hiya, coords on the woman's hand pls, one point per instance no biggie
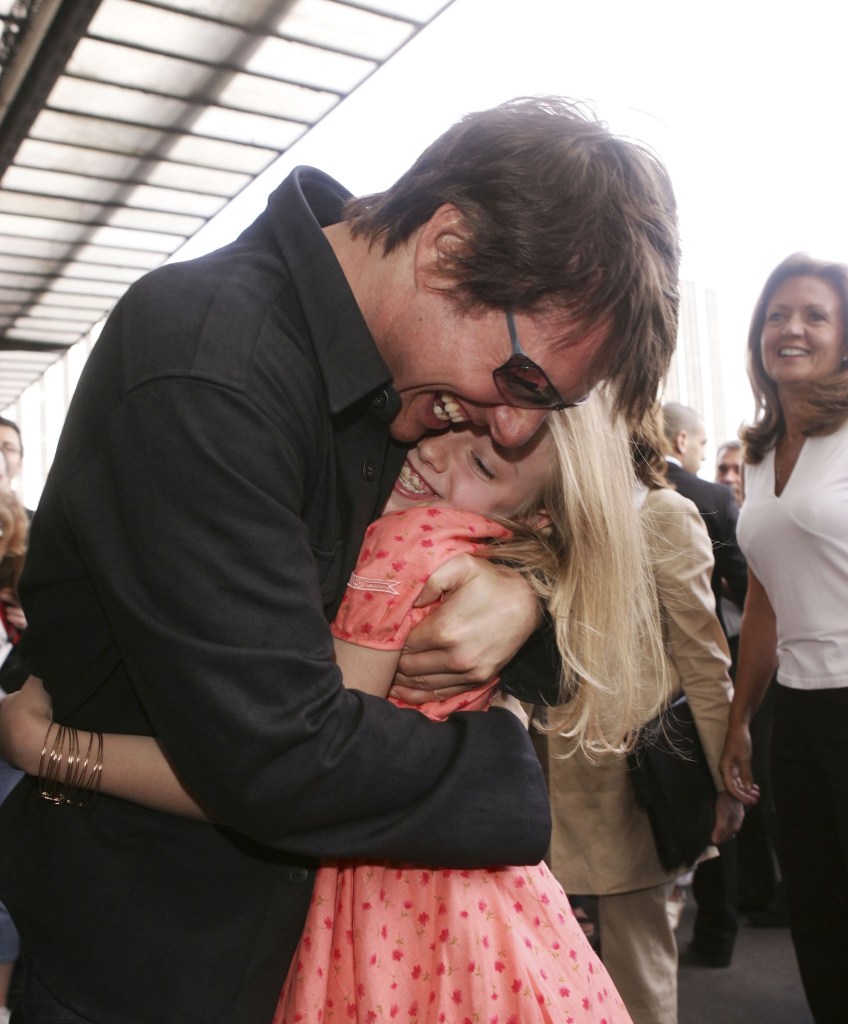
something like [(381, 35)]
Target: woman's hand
[(25, 717), (487, 613), (735, 766)]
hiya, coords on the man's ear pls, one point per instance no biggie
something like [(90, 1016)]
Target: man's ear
[(681, 442), (438, 243)]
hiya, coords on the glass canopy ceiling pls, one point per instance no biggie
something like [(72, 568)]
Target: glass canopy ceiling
[(125, 125)]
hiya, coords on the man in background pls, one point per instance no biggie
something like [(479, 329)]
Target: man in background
[(729, 468), (687, 439), (12, 447), (729, 472)]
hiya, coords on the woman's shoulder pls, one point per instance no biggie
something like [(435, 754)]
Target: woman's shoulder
[(674, 524), (666, 499)]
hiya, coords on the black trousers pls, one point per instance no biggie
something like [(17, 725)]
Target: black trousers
[(810, 780)]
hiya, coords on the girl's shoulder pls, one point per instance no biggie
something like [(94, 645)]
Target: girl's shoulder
[(431, 526)]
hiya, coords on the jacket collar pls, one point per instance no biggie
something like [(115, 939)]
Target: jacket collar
[(353, 369)]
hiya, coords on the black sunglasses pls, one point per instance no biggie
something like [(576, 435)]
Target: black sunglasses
[(525, 384)]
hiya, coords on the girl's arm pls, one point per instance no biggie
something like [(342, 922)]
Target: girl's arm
[(366, 668), (136, 768)]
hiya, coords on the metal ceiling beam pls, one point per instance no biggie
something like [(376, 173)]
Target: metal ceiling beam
[(49, 40), (32, 346)]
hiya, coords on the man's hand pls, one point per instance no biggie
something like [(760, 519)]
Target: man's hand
[(729, 814), (487, 614), (735, 766)]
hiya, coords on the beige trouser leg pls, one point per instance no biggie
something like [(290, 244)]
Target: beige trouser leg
[(639, 950)]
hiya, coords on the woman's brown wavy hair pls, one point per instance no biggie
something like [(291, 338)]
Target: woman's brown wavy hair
[(822, 404)]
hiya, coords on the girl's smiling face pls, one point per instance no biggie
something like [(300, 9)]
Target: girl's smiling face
[(463, 468)]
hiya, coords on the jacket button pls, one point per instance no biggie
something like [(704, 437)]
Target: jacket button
[(368, 470), (298, 875), (380, 400)]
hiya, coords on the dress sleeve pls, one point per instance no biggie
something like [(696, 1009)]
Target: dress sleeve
[(400, 552)]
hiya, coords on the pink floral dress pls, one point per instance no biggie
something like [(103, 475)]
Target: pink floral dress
[(390, 943)]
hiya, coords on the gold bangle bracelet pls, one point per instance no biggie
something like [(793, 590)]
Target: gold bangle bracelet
[(79, 785)]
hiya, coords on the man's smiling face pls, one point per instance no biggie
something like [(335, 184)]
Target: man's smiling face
[(443, 368)]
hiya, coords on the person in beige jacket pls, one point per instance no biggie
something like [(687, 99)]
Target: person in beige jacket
[(602, 842)]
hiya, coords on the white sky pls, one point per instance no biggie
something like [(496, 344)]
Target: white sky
[(744, 101)]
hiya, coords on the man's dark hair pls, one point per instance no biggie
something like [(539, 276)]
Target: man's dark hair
[(563, 217)]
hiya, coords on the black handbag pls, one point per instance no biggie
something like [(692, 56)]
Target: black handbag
[(674, 785)]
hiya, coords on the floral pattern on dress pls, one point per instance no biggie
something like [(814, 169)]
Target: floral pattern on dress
[(401, 945), (400, 552)]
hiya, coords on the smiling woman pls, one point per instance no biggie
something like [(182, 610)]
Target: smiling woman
[(798, 354), (793, 530)]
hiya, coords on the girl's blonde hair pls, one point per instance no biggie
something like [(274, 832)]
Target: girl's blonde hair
[(591, 570)]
